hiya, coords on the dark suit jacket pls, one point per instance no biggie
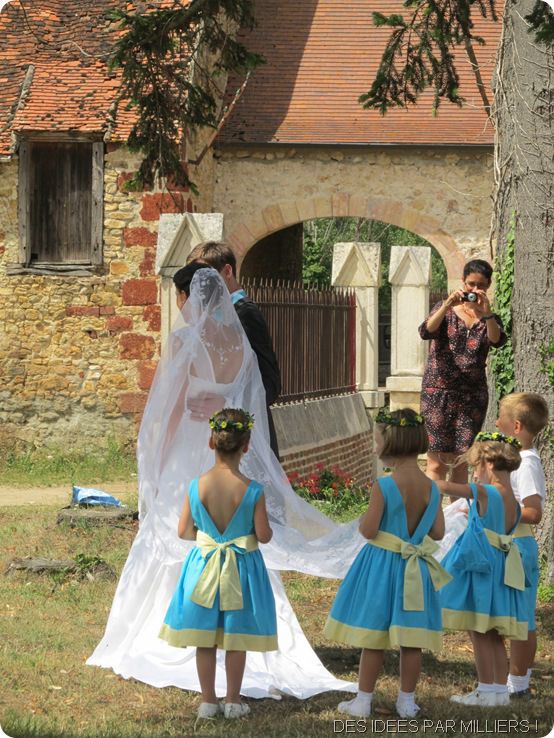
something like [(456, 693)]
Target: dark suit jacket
[(257, 333)]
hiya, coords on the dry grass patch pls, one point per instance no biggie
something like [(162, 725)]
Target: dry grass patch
[(49, 626)]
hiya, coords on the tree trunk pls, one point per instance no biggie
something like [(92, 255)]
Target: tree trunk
[(524, 164)]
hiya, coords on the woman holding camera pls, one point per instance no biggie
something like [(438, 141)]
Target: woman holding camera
[(454, 394)]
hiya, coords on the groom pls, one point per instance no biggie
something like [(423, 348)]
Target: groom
[(220, 257)]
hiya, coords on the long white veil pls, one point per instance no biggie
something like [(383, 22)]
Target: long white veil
[(208, 362)]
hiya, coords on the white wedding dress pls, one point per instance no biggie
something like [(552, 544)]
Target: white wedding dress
[(209, 360)]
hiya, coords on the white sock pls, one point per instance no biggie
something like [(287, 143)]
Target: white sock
[(500, 688), (363, 699), (485, 687), (405, 698), (518, 683)]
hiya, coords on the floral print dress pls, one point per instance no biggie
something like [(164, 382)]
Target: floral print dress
[(454, 395)]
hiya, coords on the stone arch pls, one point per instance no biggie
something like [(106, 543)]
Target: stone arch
[(343, 204)]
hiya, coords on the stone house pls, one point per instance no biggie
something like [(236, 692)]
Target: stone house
[(81, 299)]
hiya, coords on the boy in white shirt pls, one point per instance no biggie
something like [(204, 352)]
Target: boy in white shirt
[(523, 415)]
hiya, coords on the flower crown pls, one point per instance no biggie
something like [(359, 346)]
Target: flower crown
[(383, 417), (218, 424), (497, 436)]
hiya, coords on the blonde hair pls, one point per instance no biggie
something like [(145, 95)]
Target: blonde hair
[(529, 408), (227, 441), (404, 440), (503, 456)]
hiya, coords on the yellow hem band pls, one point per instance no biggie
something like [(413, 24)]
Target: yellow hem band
[(482, 623), (210, 638), (394, 637)]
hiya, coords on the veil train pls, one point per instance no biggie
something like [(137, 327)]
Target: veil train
[(208, 361)]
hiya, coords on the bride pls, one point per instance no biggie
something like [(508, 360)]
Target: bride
[(208, 356)]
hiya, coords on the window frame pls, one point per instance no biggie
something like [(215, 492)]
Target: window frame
[(97, 203)]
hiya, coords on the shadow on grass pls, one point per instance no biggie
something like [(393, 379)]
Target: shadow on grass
[(343, 660), (545, 620)]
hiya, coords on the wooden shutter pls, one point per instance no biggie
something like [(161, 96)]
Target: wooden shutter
[(60, 201)]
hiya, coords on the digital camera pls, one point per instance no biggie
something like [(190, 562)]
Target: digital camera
[(470, 297)]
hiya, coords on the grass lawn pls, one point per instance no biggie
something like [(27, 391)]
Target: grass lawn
[(48, 467), (49, 625)]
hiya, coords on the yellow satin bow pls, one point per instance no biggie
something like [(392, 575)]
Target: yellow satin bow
[(413, 583), (217, 577), (514, 574)]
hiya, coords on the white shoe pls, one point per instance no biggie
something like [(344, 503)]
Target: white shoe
[(476, 699), (208, 710), (354, 708), (502, 699), (235, 710), (407, 710)]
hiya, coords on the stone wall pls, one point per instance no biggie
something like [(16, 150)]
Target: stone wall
[(440, 193), (78, 353)]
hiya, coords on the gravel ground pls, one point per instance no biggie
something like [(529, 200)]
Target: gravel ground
[(20, 496)]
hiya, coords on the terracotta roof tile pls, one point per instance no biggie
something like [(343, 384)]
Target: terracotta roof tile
[(321, 55), (62, 49)]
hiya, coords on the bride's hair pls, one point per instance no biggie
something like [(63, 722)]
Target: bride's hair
[(183, 277), (230, 430)]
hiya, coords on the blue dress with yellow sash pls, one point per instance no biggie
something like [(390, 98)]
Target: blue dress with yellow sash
[(371, 608), (248, 624), (482, 600)]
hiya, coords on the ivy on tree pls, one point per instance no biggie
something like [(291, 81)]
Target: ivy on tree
[(502, 359), (171, 60)]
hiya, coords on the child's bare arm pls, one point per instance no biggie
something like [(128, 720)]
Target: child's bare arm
[(369, 522), (185, 529), (454, 489), (261, 523), (437, 530), (531, 510)]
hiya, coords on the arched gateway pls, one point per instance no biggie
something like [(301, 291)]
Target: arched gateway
[(82, 317), (280, 215)]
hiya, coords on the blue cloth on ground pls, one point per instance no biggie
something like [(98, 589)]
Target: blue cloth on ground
[(90, 496)]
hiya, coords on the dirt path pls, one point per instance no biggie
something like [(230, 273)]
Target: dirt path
[(10, 496)]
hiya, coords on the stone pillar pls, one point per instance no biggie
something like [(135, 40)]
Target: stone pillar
[(409, 275), (358, 265), (178, 234)]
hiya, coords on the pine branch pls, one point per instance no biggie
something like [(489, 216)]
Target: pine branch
[(420, 53), (541, 21), (166, 82), (478, 79)]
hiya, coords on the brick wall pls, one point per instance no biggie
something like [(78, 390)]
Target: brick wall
[(353, 455), (333, 431)]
